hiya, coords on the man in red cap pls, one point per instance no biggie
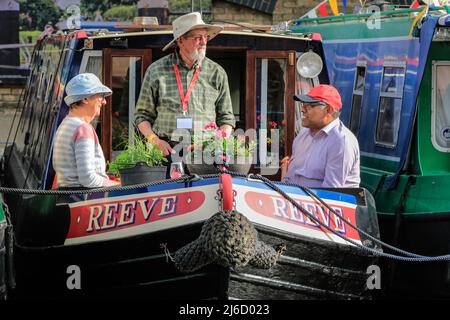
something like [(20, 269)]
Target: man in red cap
[(325, 153)]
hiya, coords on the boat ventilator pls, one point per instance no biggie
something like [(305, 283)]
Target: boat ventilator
[(409, 256)]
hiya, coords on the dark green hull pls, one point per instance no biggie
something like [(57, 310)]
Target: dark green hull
[(423, 234)]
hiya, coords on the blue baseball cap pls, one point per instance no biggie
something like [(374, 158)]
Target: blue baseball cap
[(83, 86)]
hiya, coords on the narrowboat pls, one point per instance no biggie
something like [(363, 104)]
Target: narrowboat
[(146, 240), (391, 66)]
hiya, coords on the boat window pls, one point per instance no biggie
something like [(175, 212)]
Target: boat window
[(123, 72), (390, 105), (93, 63), (358, 93), (126, 85), (270, 86), (234, 65), (440, 106)]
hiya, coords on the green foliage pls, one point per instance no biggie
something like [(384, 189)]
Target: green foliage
[(121, 13), (89, 7), (119, 134), (186, 5), (41, 12), (140, 151), (26, 34)]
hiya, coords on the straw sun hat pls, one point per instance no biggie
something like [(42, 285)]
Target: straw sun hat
[(188, 22)]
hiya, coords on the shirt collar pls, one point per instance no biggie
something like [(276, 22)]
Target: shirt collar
[(330, 126)]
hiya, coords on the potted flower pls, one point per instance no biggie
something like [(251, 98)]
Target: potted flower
[(212, 148), (141, 162)]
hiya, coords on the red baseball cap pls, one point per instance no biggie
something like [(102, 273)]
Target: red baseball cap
[(322, 93)]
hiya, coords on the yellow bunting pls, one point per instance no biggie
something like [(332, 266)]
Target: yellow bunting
[(334, 7), (424, 11)]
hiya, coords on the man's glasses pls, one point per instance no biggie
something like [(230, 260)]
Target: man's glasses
[(309, 106), (199, 38)]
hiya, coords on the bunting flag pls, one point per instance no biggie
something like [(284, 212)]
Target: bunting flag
[(334, 7), (415, 4), (323, 9), (416, 20), (313, 12)]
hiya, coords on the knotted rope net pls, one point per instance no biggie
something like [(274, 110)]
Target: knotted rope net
[(227, 238)]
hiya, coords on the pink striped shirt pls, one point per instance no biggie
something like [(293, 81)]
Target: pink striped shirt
[(78, 156)]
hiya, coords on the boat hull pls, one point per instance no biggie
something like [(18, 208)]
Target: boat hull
[(55, 258), (425, 234), (139, 268)]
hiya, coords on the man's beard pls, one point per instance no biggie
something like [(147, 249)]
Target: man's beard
[(198, 55)]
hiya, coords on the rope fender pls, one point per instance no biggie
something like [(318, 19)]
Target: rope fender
[(227, 238)]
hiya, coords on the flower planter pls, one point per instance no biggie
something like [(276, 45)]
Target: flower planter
[(242, 166), (201, 169), (142, 173)]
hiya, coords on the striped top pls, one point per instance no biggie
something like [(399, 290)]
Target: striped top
[(78, 156)]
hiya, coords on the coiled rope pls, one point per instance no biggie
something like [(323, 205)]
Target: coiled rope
[(229, 239)]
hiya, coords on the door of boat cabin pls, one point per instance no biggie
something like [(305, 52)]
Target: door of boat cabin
[(123, 72), (270, 88)]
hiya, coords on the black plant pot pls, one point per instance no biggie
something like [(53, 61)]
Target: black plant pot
[(142, 173), (203, 169)]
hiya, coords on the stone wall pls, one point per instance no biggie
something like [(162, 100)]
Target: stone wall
[(291, 9), (9, 95), (284, 10)]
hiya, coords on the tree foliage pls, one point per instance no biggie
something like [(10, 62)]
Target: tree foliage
[(89, 7), (40, 11), (121, 13), (186, 5)]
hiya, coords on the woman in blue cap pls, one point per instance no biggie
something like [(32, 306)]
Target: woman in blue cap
[(77, 154)]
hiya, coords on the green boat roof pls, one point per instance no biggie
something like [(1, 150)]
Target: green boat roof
[(394, 23)]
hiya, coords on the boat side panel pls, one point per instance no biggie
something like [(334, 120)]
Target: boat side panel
[(342, 58), (430, 160)]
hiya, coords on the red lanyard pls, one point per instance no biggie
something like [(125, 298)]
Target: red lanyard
[(185, 99)]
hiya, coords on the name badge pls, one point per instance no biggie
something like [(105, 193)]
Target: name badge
[(184, 123)]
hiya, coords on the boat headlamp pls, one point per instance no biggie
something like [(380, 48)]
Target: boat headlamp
[(309, 65)]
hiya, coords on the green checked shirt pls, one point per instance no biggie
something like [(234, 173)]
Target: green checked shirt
[(159, 101)]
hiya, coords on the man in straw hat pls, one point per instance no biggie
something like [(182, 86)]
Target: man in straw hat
[(325, 153), (184, 89)]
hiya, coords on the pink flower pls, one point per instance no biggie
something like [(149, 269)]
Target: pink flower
[(283, 122), (221, 134), (273, 124), (258, 117), (210, 125)]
